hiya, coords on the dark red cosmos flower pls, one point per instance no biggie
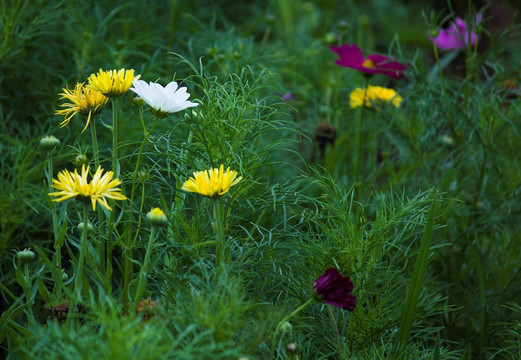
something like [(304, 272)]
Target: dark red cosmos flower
[(335, 289), (351, 56)]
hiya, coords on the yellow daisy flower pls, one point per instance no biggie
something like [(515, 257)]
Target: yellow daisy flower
[(373, 95), (75, 185), (112, 83), (83, 100), (212, 183)]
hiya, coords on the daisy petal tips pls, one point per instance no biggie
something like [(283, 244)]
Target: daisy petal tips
[(162, 100)]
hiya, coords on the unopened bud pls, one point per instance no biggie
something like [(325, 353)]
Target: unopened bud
[(270, 19), (138, 102), (25, 255), (157, 217), (80, 159), (65, 277), (49, 142), (90, 228), (292, 348)]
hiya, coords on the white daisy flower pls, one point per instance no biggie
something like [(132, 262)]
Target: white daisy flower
[(162, 100)]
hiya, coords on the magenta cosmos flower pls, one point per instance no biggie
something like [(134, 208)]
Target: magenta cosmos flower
[(335, 289), (351, 56), (456, 36)]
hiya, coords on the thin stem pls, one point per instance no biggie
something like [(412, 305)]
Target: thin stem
[(81, 260), (219, 233), (116, 170), (94, 142), (279, 325), (28, 291), (358, 133), (115, 160), (57, 245), (332, 316), (143, 273)]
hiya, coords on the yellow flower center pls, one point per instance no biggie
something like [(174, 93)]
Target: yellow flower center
[(368, 64), (85, 190)]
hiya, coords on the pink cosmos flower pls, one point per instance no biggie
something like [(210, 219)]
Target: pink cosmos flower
[(351, 56), (456, 36), (335, 289)]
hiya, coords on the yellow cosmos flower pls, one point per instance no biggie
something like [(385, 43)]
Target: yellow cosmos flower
[(75, 185), (373, 95), (212, 183), (82, 100), (112, 83)]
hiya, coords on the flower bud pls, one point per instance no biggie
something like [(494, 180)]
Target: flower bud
[(286, 327), (292, 348), (65, 277), (343, 26), (138, 102), (157, 217), (80, 159), (143, 176), (25, 255), (49, 142), (90, 228), (330, 38), (270, 19)]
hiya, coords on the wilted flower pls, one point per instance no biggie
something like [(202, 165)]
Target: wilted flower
[(212, 183), (112, 83), (351, 56), (83, 100), (75, 185), (334, 289), (162, 100), (373, 95), (456, 36)]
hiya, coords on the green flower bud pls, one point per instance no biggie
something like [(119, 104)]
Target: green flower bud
[(80, 159), (292, 348), (49, 142), (343, 26), (330, 38), (143, 176), (65, 277), (270, 19), (138, 102), (157, 217), (90, 228), (25, 255), (286, 327)]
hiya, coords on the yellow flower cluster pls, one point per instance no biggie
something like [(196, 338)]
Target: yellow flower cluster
[(374, 95), (75, 185), (82, 100), (212, 183), (89, 99)]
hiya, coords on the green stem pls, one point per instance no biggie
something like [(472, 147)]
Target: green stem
[(143, 273), (81, 260), (115, 160), (219, 232), (94, 142), (279, 325), (138, 161), (28, 291), (116, 170), (57, 245), (358, 133), (332, 316)]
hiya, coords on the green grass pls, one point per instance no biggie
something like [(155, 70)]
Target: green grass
[(417, 204)]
